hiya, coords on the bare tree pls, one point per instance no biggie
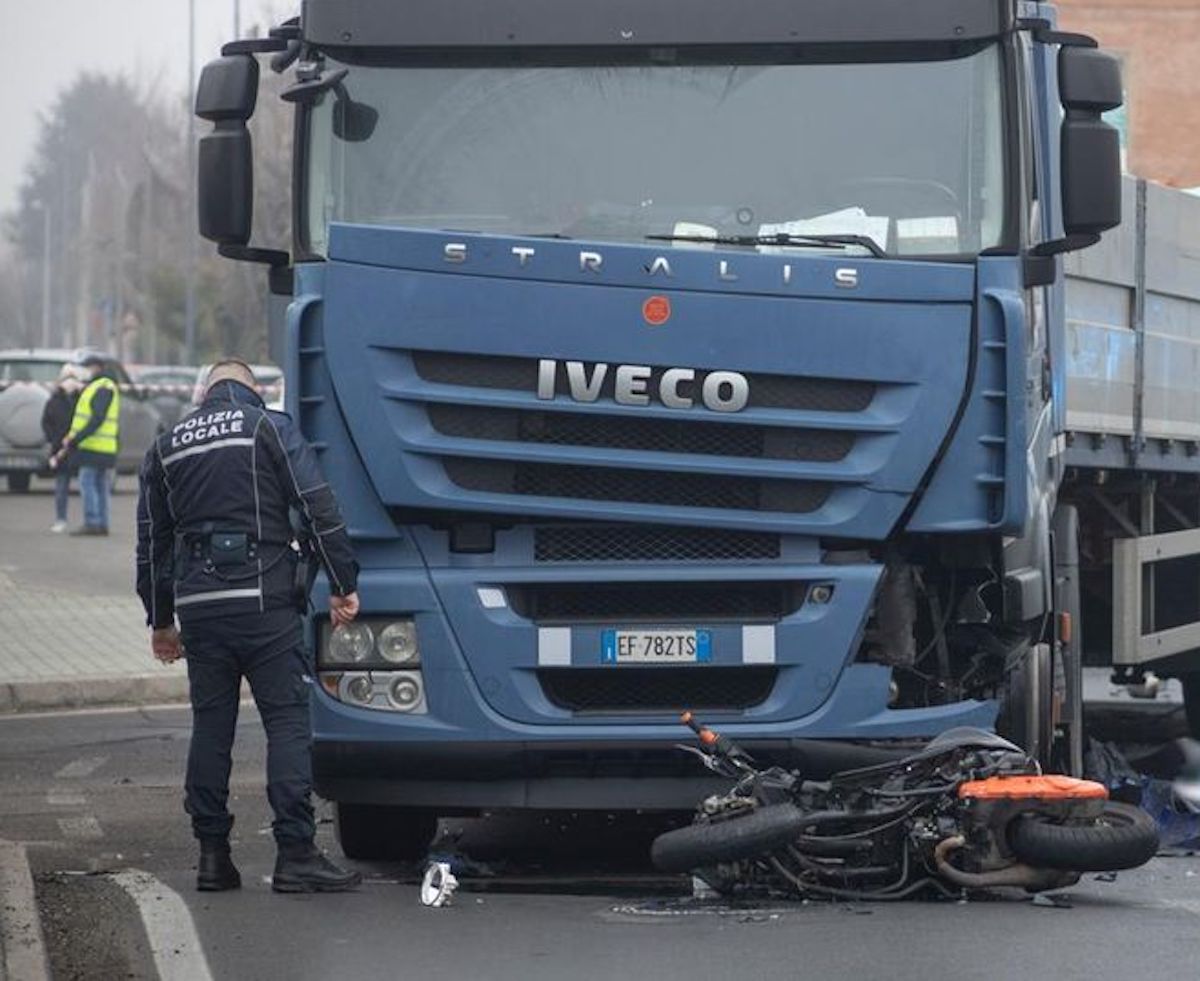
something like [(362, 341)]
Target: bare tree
[(104, 220)]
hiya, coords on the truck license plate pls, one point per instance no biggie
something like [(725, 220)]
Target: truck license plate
[(20, 463), (656, 646)]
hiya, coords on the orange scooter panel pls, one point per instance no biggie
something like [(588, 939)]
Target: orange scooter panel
[(1051, 787)]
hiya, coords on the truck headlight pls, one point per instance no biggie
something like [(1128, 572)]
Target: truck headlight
[(397, 642), (351, 644)]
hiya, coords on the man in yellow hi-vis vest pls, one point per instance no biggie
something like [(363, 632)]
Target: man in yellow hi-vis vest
[(93, 443)]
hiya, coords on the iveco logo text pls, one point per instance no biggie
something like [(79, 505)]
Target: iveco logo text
[(633, 384), (592, 263)]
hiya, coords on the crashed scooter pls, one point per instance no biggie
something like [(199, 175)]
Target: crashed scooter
[(968, 811)]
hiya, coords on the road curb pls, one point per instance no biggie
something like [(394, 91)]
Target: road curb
[(70, 693), (22, 946)]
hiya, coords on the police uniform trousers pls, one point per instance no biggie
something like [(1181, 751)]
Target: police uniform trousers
[(268, 650)]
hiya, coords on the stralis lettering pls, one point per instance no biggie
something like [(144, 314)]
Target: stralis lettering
[(636, 384), (592, 263), (227, 422)]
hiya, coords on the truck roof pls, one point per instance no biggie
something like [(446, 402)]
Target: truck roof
[(633, 23)]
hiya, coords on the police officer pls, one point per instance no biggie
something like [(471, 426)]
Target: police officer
[(215, 549)]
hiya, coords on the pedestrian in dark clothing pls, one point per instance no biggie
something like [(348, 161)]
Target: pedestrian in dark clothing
[(215, 549), (56, 423), (92, 443)]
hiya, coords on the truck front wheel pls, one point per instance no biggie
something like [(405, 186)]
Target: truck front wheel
[(1027, 707), (380, 832)]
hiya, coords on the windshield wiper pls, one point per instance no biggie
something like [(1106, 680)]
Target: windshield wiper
[(813, 241)]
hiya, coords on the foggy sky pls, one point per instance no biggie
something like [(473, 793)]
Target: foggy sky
[(48, 42)]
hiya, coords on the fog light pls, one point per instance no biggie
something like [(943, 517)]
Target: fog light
[(353, 642), (821, 594), (406, 692), (360, 689), (397, 642)]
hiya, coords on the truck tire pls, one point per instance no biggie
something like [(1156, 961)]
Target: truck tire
[(378, 832), (1026, 713), (18, 483), (735, 839), (1123, 837)]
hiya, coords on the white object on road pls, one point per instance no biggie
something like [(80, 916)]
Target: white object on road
[(438, 885)]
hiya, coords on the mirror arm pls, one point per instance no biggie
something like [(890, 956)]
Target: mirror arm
[(280, 275), (246, 253), (1038, 270), (1065, 38), (1044, 33), (289, 30), (253, 46), (306, 92), (1068, 243), (284, 60)]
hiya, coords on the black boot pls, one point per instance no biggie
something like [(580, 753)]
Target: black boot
[(303, 868), (216, 871)]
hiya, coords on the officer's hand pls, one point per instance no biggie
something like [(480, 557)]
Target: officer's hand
[(343, 609), (165, 644)]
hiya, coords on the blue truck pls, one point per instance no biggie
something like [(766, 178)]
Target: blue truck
[(687, 354)]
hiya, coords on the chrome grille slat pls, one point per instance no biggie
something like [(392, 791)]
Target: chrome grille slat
[(654, 435), (636, 486)]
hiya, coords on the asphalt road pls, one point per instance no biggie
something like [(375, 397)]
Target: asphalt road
[(98, 793), (91, 566)]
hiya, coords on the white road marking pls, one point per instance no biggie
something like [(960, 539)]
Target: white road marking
[(246, 702), (65, 797), (81, 768), (84, 828), (178, 955)]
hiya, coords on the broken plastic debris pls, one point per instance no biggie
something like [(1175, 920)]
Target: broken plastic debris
[(1052, 900), (438, 885)]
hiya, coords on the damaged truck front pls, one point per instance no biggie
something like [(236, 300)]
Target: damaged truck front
[(676, 354)]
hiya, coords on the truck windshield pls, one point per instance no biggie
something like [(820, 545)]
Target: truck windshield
[(907, 153)]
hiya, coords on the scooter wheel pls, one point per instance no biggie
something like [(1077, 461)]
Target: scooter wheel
[(1123, 837), (735, 839)]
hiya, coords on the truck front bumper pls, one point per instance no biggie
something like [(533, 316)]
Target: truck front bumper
[(371, 757)]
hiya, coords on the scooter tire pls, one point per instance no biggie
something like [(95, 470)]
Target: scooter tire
[(1123, 837), (734, 839)]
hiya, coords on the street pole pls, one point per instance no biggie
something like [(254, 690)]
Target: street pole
[(189, 313), (237, 19), (45, 274)]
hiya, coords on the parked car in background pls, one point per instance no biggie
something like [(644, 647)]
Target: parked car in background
[(169, 388), (26, 376)]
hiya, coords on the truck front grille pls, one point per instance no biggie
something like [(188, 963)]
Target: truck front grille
[(649, 602), (650, 543), (655, 435), (636, 486), (799, 442), (625, 689), (520, 375)]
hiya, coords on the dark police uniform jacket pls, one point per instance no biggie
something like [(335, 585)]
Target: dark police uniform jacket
[(214, 534)]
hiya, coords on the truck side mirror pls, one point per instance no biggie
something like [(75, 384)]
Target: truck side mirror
[(226, 97), (1089, 83)]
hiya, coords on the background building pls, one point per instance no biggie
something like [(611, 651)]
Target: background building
[(1159, 43)]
